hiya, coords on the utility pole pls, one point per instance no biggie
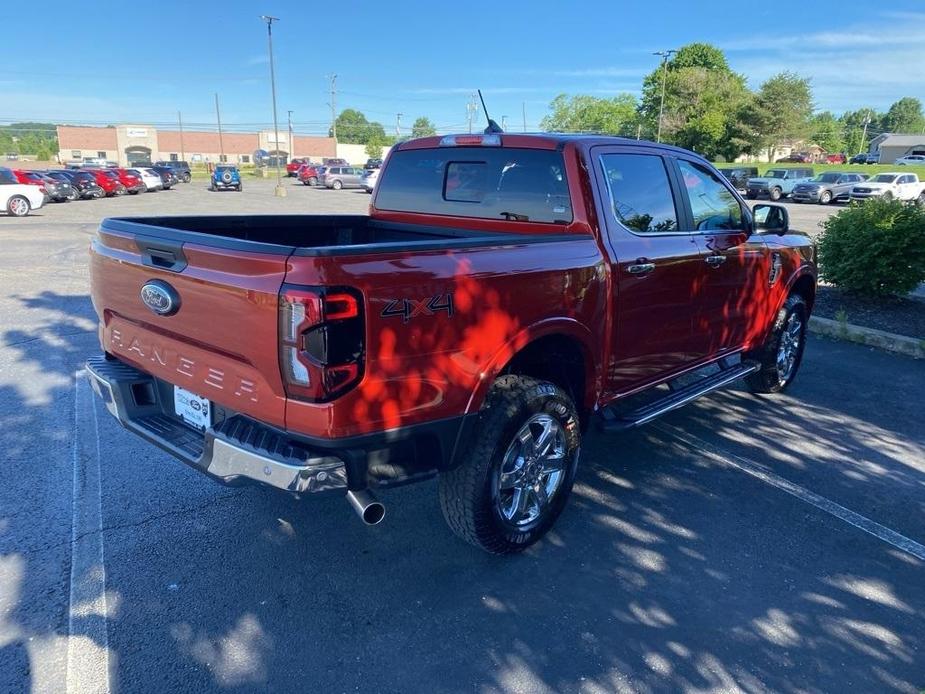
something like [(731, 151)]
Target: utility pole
[(398, 124), (180, 123), (661, 109), (279, 191), (638, 130), (523, 108), (333, 105), (504, 122), (470, 109), (864, 136), (218, 117), (291, 145)]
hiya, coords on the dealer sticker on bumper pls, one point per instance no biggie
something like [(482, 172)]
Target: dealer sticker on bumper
[(191, 408)]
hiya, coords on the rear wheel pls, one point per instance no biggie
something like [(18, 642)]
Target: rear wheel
[(750, 195), (18, 206), (826, 197), (186, 178), (780, 357), (515, 479), (240, 187)]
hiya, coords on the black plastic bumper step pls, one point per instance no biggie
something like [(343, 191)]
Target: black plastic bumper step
[(675, 398)]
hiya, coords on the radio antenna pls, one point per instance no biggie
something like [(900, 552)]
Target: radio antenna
[(492, 126)]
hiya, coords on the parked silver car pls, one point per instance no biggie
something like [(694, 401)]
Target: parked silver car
[(338, 177), (834, 186)]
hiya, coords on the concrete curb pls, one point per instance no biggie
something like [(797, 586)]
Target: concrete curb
[(891, 342)]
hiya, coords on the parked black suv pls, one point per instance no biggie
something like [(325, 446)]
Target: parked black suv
[(739, 175), (181, 168)]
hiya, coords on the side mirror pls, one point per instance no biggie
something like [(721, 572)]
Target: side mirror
[(771, 218)]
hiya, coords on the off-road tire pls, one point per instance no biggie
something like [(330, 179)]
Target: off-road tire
[(767, 378), (467, 492)]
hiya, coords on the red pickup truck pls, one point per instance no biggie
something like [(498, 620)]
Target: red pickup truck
[(504, 292)]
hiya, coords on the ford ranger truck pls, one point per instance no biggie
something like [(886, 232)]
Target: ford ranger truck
[(504, 292), (888, 186)]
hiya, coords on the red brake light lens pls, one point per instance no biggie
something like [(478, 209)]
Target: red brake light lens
[(487, 140)]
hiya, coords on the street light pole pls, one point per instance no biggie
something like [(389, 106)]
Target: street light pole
[(661, 109), (279, 191), (291, 145)]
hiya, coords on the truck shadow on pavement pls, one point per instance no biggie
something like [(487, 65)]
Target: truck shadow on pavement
[(667, 570)]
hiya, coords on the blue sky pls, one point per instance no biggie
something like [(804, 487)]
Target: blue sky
[(419, 58)]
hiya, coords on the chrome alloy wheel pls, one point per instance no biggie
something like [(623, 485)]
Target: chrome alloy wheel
[(789, 348), (19, 207), (532, 470)]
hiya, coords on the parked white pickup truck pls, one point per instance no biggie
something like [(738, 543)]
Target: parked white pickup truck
[(889, 186)]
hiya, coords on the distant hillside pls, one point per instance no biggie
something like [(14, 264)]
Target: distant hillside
[(40, 139)]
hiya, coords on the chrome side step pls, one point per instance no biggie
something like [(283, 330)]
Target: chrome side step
[(676, 397)]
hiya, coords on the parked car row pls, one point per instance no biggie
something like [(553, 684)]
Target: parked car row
[(85, 183), (338, 177)]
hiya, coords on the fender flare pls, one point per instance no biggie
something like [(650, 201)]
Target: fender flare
[(566, 327)]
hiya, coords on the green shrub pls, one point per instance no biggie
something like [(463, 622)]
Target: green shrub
[(876, 248)]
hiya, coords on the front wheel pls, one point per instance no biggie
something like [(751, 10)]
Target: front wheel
[(775, 194), (337, 185), (826, 197), (313, 181), (187, 178), (515, 479), (781, 355), (18, 206)]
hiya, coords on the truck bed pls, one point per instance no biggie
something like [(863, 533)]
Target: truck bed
[(307, 235)]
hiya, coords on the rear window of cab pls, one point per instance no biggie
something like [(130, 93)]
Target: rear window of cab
[(527, 185)]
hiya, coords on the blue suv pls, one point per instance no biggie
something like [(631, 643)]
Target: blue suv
[(224, 177)]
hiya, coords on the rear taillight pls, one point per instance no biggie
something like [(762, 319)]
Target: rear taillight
[(321, 341)]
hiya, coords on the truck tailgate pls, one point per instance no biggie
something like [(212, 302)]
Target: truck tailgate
[(222, 341)]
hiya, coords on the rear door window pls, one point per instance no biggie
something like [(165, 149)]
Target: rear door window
[(713, 206), (640, 194), (484, 182)]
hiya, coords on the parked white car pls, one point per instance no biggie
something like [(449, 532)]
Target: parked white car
[(151, 179), (17, 198), (889, 186), (368, 180), (911, 159)]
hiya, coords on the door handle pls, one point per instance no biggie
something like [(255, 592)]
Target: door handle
[(715, 260), (640, 268)]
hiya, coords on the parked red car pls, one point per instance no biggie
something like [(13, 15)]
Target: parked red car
[(503, 291), (108, 180), (133, 184), (292, 168), (308, 174), (29, 178), (836, 159)]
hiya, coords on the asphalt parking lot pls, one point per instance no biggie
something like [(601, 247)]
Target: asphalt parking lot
[(741, 544)]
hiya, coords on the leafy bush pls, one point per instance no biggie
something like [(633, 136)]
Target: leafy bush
[(876, 248)]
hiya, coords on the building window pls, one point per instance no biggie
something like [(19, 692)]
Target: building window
[(174, 156), (245, 158), (75, 153), (101, 155), (223, 158)]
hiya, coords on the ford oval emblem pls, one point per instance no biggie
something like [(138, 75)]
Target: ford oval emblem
[(160, 297)]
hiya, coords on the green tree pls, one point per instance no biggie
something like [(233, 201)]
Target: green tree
[(852, 123), (375, 145), (423, 127), (782, 110), (905, 116), (705, 103), (29, 138), (583, 113), (827, 132), (353, 128)]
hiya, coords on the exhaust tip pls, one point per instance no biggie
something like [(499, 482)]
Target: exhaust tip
[(374, 514), (367, 506)]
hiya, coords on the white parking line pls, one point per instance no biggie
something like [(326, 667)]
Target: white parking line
[(864, 523), (88, 637)]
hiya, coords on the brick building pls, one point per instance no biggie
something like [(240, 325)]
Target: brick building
[(128, 144)]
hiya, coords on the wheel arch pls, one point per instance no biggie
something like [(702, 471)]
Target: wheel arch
[(559, 351), (804, 285)]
